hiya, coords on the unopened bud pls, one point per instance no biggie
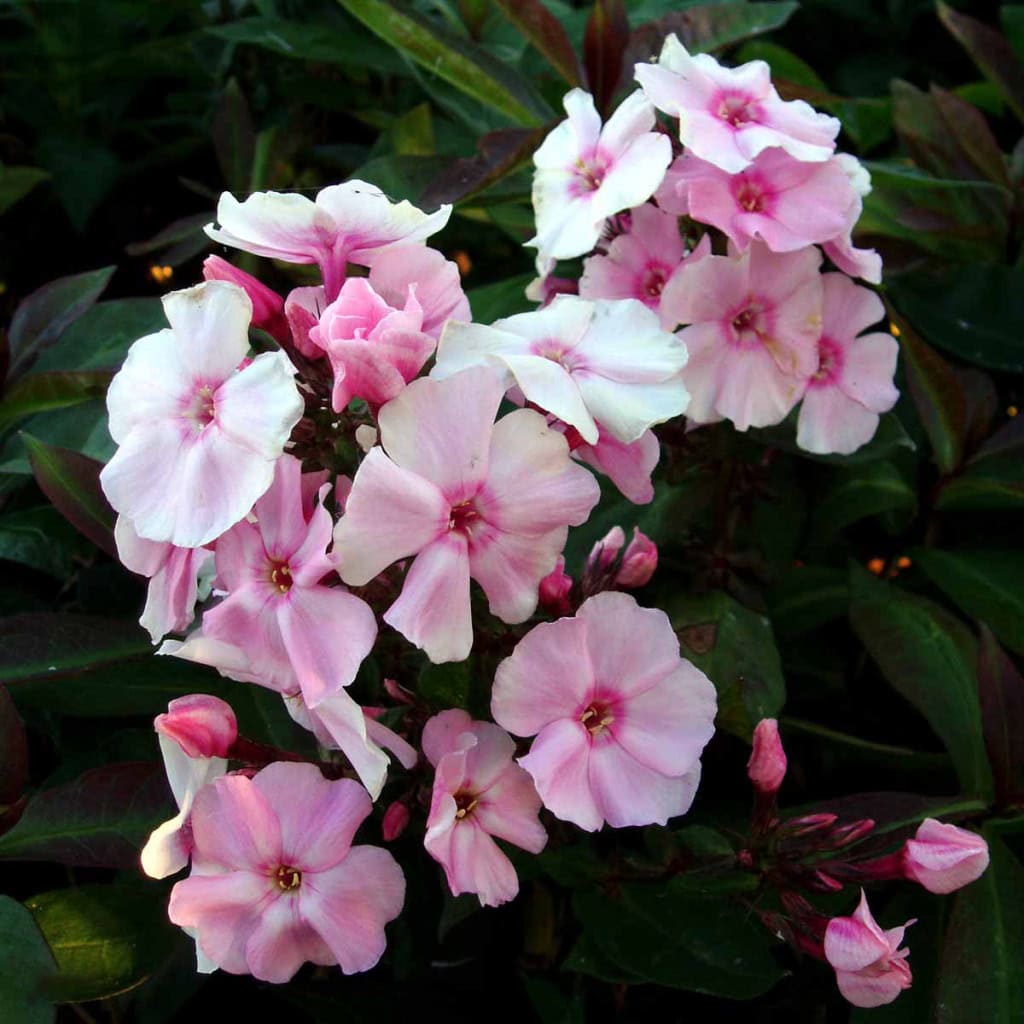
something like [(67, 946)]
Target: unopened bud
[(638, 562), (396, 817), (203, 726), (767, 765), (943, 857), (267, 305), (555, 589)]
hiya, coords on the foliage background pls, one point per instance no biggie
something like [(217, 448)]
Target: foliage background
[(878, 597)]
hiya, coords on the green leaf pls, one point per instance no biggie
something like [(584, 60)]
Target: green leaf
[(545, 33), (72, 482), (42, 316), (987, 585), (980, 973), (13, 751), (17, 182), (446, 686), (100, 820), (706, 27), (26, 965), (993, 477), (661, 935), (41, 539), (80, 428), (859, 492), (808, 597), (456, 61), (42, 392), (1001, 694), (107, 939), (492, 302), (735, 648), (929, 657), (972, 310), (890, 438)]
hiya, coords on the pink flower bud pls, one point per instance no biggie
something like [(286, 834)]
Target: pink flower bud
[(267, 305), (604, 553), (396, 817), (555, 589), (203, 726), (807, 825), (398, 693), (767, 765), (639, 561), (943, 858)]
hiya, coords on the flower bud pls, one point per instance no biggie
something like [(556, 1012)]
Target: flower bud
[(943, 858), (639, 561), (555, 589), (396, 817), (604, 553), (767, 765), (203, 726), (267, 305)]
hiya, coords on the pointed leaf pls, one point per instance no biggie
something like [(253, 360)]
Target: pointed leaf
[(17, 182), (26, 965), (604, 45), (1001, 692), (43, 392), (13, 750), (545, 32)]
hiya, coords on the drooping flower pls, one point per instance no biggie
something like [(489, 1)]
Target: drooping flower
[(276, 881), (729, 115), (586, 172), (479, 793), (785, 203), (943, 857), (595, 365), (754, 323), (198, 438), (195, 736), (349, 223), (620, 719), (469, 498), (173, 578), (871, 969), (289, 624), (767, 765), (852, 384), (380, 331), (641, 261)]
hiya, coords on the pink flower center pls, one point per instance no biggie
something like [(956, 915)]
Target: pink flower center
[(590, 173), (736, 109), (464, 804), (201, 408), (830, 363), (462, 516), (556, 351), (749, 325), (281, 576), (750, 196), (597, 716), (653, 282), (287, 878)]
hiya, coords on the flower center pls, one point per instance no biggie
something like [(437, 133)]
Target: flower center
[(830, 360), (597, 716), (281, 576), (736, 110), (462, 516), (750, 325), (590, 174), (287, 878), (202, 407), (750, 196), (653, 282), (464, 804)]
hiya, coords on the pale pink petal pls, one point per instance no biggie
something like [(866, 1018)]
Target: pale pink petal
[(636, 173), (436, 281), (852, 944), (235, 825), (558, 762), (831, 422), (848, 308), (442, 732), (628, 466), (167, 850), (868, 370), (627, 792), (302, 310), (509, 809), (944, 858), (282, 941), (278, 225), (145, 557), (281, 524), (433, 610), (868, 991), (751, 391), (171, 596), (380, 734), (547, 384), (211, 327), (474, 864), (863, 263)]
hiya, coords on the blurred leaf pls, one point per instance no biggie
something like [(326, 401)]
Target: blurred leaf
[(987, 585), (81, 428), (938, 397), (859, 492), (993, 477), (446, 686), (17, 182), (808, 597), (990, 51), (26, 964), (551, 1004), (13, 750), (100, 820), (107, 939), (72, 482), (972, 310), (1001, 693), (42, 392), (893, 812), (979, 977), (605, 40), (84, 170), (786, 66), (545, 32), (234, 140), (1012, 18), (498, 155), (735, 648), (456, 61), (492, 302), (663, 936), (42, 316), (180, 240), (929, 657), (42, 539)]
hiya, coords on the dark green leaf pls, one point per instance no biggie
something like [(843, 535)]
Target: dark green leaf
[(929, 657), (234, 140), (42, 392), (492, 302), (545, 32), (605, 40), (17, 182), (987, 585), (99, 820), (862, 491), (72, 482), (993, 477), (890, 438), (446, 686), (808, 597), (42, 539), (735, 648), (454, 60), (80, 428), (13, 750), (1001, 693), (26, 964)]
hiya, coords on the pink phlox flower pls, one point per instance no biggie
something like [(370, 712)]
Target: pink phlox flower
[(640, 262), (587, 172), (785, 203), (469, 498), (276, 881), (863, 263), (595, 365), (198, 438), (267, 306), (194, 736), (479, 793), (755, 319), (174, 578), (349, 223), (943, 857), (628, 466), (852, 384), (620, 719), (871, 969), (276, 609), (729, 115)]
